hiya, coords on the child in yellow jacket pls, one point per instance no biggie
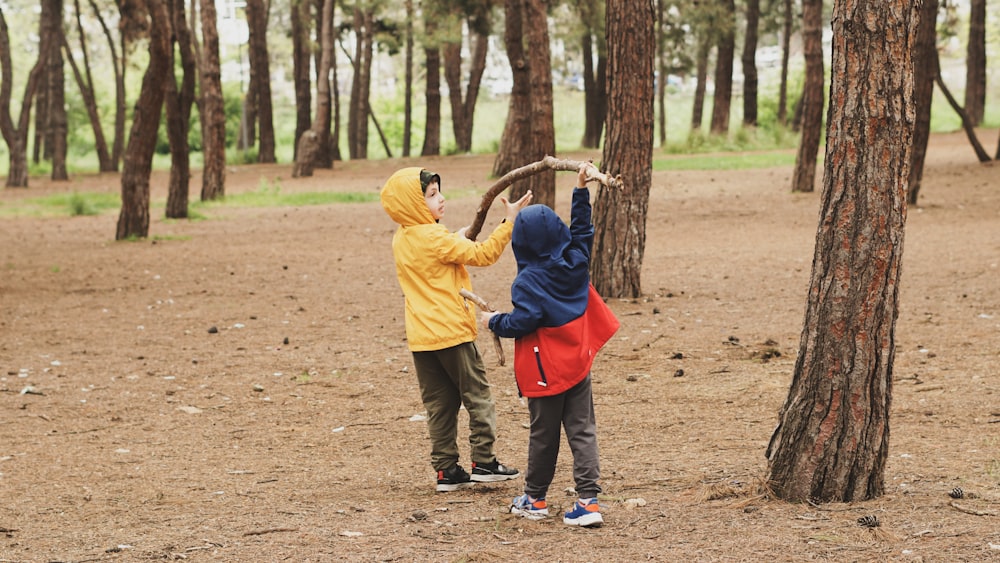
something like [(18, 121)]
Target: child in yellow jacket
[(441, 326)]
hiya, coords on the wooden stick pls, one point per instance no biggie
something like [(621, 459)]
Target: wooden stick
[(973, 511), (489, 309), (547, 163)]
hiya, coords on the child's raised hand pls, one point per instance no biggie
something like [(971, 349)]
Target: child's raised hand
[(513, 209), (582, 177)]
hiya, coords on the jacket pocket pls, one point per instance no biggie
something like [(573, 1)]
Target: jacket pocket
[(543, 382)]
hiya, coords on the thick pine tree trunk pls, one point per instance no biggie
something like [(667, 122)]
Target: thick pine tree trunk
[(178, 102), (260, 74), (432, 100), (832, 441), (661, 67), (58, 122), (924, 70), (620, 215), (213, 114), (300, 19), (133, 220), (514, 143), (723, 98), (804, 176), (542, 136), (975, 63), (16, 136), (750, 63)]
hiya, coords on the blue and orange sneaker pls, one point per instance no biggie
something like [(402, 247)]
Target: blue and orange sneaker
[(530, 508), (586, 513)]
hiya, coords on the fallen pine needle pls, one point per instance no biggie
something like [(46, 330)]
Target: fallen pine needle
[(269, 531)]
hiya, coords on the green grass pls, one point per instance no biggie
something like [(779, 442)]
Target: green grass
[(59, 205), (726, 161), (277, 199)]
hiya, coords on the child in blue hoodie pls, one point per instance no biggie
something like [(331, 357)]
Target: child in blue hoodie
[(559, 322)]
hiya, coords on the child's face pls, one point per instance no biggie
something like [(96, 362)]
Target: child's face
[(435, 200)]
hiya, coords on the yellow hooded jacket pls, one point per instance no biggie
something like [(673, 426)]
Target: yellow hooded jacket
[(430, 266)]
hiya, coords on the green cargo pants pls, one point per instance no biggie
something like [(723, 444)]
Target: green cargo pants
[(448, 379)]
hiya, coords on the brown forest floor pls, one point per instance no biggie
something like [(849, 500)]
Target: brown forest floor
[(146, 437)]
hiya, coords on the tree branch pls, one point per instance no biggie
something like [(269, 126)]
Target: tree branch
[(547, 163)]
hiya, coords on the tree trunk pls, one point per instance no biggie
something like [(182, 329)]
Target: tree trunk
[(722, 99), (16, 136), (463, 110), (260, 77), (975, 63), (118, 64), (432, 94), (661, 83), (58, 122), (178, 103), (750, 64), (701, 78), (213, 113), (300, 23), (133, 220), (514, 142), (594, 95), (408, 80), (804, 176), (542, 135), (832, 440), (357, 119), (85, 82), (786, 38), (310, 143), (620, 215), (967, 126), (924, 71)]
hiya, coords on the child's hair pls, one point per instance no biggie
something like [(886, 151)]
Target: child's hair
[(427, 178)]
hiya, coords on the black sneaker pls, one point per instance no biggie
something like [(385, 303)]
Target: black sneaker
[(453, 479), (491, 472)]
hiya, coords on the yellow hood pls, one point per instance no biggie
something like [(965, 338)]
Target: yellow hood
[(403, 198)]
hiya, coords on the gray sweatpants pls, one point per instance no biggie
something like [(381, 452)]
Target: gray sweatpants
[(574, 411), (448, 379)]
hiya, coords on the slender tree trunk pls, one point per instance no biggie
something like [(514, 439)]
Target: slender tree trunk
[(975, 63), (58, 121), (967, 126), (42, 145), (16, 136), (133, 220), (701, 78), (750, 64), (514, 143), (432, 94), (333, 118), (300, 22), (178, 102), (804, 177), (357, 119), (310, 141), (118, 64), (832, 441), (620, 215), (463, 107), (408, 80), (722, 100), (661, 83), (260, 67), (213, 113), (924, 71), (786, 38)]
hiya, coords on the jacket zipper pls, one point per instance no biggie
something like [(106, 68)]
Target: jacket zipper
[(541, 372)]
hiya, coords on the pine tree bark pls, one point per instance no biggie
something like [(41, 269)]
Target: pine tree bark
[(514, 144), (310, 143), (408, 80), (701, 78), (213, 114), (661, 68), (58, 124), (542, 136), (620, 215), (133, 220), (750, 63), (975, 63), (832, 440), (301, 56), (178, 102), (594, 94), (357, 119), (786, 38), (16, 136), (924, 70), (804, 176), (463, 107), (260, 77), (723, 97)]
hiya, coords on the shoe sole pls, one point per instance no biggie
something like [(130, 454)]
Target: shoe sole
[(593, 520), (528, 514), (494, 477), (447, 488)]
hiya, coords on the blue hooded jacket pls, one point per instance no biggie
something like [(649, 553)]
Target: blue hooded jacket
[(558, 320)]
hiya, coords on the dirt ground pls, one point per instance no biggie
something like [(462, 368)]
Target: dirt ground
[(239, 388)]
